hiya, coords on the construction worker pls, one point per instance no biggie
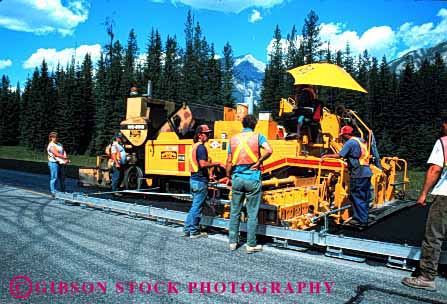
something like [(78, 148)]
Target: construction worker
[(118, 156), (305, 99), (356, 152), (57, 159), (198, 166), (243, 167), (436, 225)]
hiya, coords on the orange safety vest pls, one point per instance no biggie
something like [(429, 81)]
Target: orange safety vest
[(444, 148), (245, 148), (364, 157), (117, 153), (193, 163)]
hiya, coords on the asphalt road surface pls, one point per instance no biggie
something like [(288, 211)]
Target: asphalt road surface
[(56, 253)]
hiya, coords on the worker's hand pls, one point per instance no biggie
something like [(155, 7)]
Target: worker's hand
[(255, 166), (421, 200), (227, 181), (117, 165)]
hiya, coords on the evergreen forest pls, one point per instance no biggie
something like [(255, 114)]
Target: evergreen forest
[(84, 101)]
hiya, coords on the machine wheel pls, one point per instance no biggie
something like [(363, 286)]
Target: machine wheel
[(131, 177)]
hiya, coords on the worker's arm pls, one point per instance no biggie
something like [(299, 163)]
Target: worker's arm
[(229, 165), (202, 158), (54, 151), (335, 155), (431, 177), (267, 153), (207, 164)]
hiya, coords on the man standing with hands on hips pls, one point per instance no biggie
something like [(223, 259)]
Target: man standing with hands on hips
[(243, 166)]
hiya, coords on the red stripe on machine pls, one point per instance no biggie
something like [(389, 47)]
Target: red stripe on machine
[(181, 149), (302, 162), (181, 166)]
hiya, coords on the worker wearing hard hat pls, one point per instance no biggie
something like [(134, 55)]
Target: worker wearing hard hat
[(118, 157), (243, 166), (198, 166), (57, 159), (355, 150)]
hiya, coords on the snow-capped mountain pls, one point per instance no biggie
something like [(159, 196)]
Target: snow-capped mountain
[(248, 75), (419, 55)]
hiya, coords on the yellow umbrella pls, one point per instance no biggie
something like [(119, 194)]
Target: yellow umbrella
[(325, 74)]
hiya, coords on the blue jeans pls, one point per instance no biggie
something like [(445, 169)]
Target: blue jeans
[(251, 191), (116, 178), (360, 196), (57, 175), (199, 191)]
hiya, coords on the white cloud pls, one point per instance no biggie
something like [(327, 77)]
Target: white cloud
[(228, 6), (5, 63), (381, 40), (378, 40), (255, 16), (43, 16), (53, 57), (424, 35)]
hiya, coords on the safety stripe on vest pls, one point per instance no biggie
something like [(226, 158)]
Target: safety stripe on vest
[(193, 165), (364, 157), (243, 138)]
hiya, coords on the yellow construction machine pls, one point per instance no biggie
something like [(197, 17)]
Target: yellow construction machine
[(298, 187)]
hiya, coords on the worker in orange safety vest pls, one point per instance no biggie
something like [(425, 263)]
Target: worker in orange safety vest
[(355, 150), (199, 165), (243, 167)]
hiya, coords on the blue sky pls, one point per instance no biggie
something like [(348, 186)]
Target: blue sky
[(53, 29)]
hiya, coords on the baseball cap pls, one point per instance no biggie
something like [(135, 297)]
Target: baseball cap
[(118, 135), (203, 129), (346, 130)]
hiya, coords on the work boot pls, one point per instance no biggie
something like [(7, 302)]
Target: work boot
[(185, 234), (233, 246), (420, 282), (257, 248), (198, 235)]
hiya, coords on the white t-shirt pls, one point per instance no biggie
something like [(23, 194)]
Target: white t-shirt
[(437, 158)]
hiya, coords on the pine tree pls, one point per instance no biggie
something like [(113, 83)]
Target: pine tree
[(227, 75), (129, 74), (115, 93), (200, 51), (214, 79), (274, 83), (102, 135), (373, 93), (293, 59), (404, 135), (153, 65), (25, 115), (311, 37), (87, 106), (171, 70), (5, 100), (188, 85)]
